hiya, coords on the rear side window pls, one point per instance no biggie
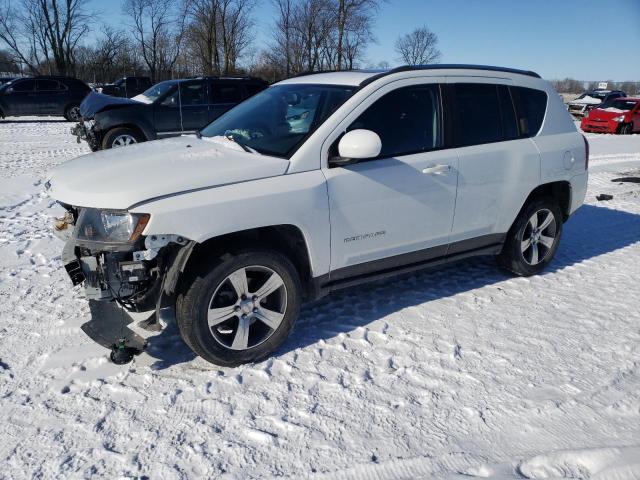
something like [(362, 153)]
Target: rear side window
[(477, 113), (48, 85), (407, 120), (531, 106), (193, 93), (24, 86), (226, 93)]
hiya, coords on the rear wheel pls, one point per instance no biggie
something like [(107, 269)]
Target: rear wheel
[(72, 113), (120, 137), (533, 239), (240, 308)]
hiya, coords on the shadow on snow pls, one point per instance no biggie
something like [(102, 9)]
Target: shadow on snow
[(591, 232)]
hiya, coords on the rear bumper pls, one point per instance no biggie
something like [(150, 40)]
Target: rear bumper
[(578, 191)]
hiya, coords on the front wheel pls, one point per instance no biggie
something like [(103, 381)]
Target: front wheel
[(120, 137), (626, 129), (240, 308), (533, 239)]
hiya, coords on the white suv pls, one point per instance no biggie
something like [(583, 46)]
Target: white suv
[(318, 183)]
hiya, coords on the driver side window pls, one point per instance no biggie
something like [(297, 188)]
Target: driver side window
[(407, 120), (172, 100)]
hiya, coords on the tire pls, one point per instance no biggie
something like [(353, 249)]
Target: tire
[(626, 129), (267, 311), (72, 113), (120, 137), (526, 261)]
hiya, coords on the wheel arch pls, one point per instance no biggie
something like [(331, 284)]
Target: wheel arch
[(286, 239), (560, 190)]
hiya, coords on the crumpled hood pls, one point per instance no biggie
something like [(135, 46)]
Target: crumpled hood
[(121, 177), (586, 101), (96, 102)]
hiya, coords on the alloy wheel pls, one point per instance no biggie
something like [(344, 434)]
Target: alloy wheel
[(123, 141), (247, 307), (538, 236)]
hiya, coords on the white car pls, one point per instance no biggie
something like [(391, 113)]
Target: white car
[(395, 171)]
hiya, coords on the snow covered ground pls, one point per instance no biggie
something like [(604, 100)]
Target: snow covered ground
[(460, 373)]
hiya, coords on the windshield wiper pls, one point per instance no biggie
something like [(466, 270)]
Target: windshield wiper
[(242, 145)]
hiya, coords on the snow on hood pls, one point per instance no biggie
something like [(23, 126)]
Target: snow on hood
[(613, 110), (96, 102), (587, 100), (142, 98), (122, 177)]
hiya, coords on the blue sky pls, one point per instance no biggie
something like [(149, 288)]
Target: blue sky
[(583, 39)]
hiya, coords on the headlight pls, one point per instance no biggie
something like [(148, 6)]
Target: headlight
[(619, 119), (109, 226)]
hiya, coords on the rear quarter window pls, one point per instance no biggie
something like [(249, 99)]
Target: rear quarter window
[(531, 107)]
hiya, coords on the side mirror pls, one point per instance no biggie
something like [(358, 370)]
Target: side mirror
[(357, 145)]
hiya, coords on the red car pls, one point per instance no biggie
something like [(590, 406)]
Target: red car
[(621, 115)]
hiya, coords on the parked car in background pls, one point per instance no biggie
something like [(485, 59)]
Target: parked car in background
[(319, 183), (4, 80), (126, 87), (620, 115), (43, 95), (588, 100), (167, 109)]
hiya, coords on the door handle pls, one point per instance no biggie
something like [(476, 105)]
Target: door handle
[(437, 169)]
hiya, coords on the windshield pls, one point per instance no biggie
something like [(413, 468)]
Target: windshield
[(155, 92), (619, 104), (277, 120)]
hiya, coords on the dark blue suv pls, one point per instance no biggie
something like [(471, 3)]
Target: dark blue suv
[(44, 95)]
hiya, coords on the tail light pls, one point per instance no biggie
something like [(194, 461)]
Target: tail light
[(586, 153)]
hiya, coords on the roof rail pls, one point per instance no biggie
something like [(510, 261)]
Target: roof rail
[(447, 66)]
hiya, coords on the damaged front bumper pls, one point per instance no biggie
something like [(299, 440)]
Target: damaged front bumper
[(85, 130), (138, 276)]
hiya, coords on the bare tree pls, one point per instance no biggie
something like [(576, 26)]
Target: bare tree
[(351, 15), (158, 29), (219, 32), (47, 32), (419, 47)]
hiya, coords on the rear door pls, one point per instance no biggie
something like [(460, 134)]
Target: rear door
[(194, 101), (497, 167), (20, 98), (166, 113), (51, 96), (225, 94)]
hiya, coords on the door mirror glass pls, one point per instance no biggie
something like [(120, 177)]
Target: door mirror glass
[(359, 145)]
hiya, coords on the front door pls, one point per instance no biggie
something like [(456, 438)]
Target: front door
[(396, 209), (21, 99)]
